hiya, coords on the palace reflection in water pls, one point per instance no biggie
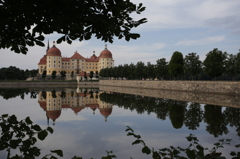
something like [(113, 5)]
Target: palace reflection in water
[(54, 102)]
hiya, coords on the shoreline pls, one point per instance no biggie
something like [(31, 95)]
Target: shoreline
[(209, 87), (30, 84)]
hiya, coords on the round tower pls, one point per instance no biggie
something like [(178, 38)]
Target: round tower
[(105, 59), (53, 60)]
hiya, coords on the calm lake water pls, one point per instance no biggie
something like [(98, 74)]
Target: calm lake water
[(89, 122)]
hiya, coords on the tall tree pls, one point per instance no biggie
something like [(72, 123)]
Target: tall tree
[(63, 74), (54, 74), (34, 73), (192, 64), (175, 66), (44, 74), (231, 65), (120, 72), (125, 71), (131, 71), (72, 74), (238, 64), (21, 27), (150, 71), (139, 70), (214, 64), (91, 75), (96, 74), (161, 69)]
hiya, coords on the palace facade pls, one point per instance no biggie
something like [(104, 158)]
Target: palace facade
[(53, 61)]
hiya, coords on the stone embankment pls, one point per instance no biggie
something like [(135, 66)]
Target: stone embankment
[(195, 97), (205, 92), (214, 87)]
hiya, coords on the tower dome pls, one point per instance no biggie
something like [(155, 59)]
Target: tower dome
[(53, 51), (43, 60), (93, 56), (105, 53)]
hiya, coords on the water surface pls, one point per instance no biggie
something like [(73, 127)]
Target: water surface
[(89, 122)]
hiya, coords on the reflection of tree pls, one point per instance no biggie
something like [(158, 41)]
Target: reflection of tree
[(214, 118), (176, 113), (33, 95), (63, 94), (193, 116), (8, 93), (22, 96), (54, 94), (44, 94), (72, 94), (91, 94), (161, 108), (232, 116)]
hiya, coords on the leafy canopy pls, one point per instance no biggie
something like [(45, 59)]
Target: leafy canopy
[(26, 22), (215, 63), (176, 63)]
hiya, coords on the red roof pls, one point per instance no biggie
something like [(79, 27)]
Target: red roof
[(105, 54), (77, 109), (65, 59), (53, 114), (105, 111), (92, 60), (43, 60), (54, 51), (77, 56), (43, 105)]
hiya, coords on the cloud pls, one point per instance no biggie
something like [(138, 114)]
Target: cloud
[(204, 41), (231, 22), (168, 14), (126, 54)]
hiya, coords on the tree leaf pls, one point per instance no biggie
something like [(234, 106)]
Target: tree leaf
[(39, 43), (28, 120), (49, 129), (36, 127), (136, 142), (42, 134), (58, 152), (146, 150), (237, 146), (156, 155)]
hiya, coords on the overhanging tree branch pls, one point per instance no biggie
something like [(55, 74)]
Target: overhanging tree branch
[(25, 22)]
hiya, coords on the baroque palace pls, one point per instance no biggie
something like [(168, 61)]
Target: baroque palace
[(76, 64)]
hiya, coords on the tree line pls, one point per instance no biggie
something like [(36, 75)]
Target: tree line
[(14, 73), (217, 65)]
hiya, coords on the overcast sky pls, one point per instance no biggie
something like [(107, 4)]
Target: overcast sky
[(173, 25)]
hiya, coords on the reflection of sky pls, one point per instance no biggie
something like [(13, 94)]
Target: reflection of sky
[(88, 135)]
